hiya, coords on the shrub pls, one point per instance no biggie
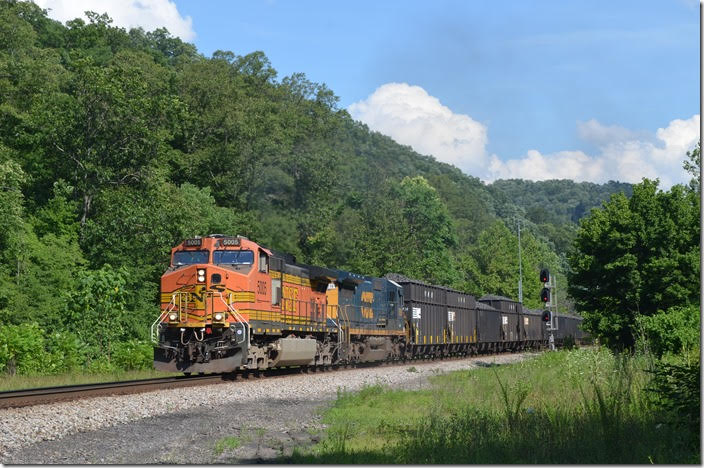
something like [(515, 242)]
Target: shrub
[(22, 349), (133, 355), (675, 389), (99, 365), (675, 330), (64, 353)]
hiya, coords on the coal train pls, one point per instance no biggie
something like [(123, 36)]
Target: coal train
[(228, 303)]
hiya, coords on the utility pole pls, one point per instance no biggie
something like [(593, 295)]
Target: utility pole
[(520, 266)]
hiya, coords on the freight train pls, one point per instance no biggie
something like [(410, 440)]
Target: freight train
[(228, 303)]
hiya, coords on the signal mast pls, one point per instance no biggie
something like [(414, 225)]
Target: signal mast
[(548, 296)]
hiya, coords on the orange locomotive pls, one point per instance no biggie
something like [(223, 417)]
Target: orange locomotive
[(228, 303)]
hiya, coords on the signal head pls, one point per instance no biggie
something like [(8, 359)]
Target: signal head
[(545, 295), (544, 275), (546, 316)]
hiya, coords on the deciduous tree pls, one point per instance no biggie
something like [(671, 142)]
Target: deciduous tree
[(635, 256)]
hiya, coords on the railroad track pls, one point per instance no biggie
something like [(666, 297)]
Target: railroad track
[(37, 396)]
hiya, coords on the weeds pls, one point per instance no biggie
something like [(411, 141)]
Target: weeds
[(675, 390), (512, 408), (229, 443), (580, 406)]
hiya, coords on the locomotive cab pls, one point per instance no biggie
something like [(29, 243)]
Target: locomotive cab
[(208, 277), (207, 293)]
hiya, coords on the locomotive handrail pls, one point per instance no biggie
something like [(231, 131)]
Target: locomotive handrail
[(157, 323), (155, 326), (346, 318), (238, 316)]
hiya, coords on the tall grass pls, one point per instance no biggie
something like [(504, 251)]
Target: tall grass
[(580, 406)]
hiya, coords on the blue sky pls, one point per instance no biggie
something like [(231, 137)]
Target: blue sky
[(583, 90)]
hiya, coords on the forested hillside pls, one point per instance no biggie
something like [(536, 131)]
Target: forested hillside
[(116, 145), (553, 206)]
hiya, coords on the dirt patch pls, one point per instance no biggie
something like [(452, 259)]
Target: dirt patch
[(230, 434)]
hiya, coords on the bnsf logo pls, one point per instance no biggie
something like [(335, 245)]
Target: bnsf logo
[(290, 298)]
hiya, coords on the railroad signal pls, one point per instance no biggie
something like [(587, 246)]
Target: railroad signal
[(544, 275), (545, 295), (546, 316)]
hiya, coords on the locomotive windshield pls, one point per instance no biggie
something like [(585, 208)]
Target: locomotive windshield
[(233, 257), (189, 257)]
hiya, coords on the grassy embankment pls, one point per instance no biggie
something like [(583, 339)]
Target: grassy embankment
[(582, 406), (21, 382)]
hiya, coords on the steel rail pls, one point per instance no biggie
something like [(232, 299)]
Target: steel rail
[(36, 396)]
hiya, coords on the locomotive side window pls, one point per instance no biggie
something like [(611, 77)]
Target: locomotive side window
[(233, 257), (276, 291), (263, 262), (190, 257)]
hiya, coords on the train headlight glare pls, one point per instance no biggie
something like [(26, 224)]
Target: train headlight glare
[(201, 272), (218, 317), (173, 317), (201, 279)]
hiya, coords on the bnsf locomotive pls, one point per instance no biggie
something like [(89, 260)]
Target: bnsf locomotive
[(228, 303)]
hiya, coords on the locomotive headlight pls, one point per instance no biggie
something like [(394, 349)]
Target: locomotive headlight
[(218, 317), (173, 317), (201, 275)]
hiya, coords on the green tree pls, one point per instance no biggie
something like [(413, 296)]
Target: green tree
[(109, 127), (634, 257), (674, 331), (491, 265), (693, 165), (96, 310), (429, 233), (14, 231)]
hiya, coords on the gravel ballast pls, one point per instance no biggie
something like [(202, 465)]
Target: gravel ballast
[(193, 425)]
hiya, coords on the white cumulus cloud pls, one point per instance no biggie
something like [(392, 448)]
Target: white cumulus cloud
[(599, 134), (574, 165), (409, 115), (623, 155), (149, 14)]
